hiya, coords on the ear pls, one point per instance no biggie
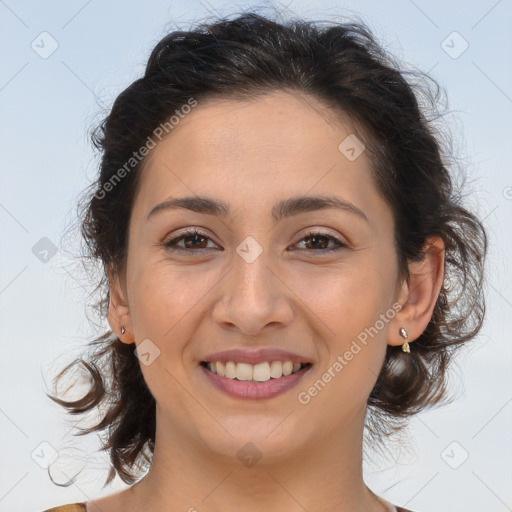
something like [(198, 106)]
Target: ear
[(118, 311), (419, 293)]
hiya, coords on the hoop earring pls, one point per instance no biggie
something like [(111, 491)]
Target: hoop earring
[(122, 330), (405, 346)]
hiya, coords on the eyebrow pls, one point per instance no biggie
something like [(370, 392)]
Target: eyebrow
[(282, 209)]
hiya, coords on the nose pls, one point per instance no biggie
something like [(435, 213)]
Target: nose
[(253, 298)]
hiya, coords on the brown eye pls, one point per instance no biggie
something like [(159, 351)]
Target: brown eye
[(319, 242), (196, 242), (192, 240)]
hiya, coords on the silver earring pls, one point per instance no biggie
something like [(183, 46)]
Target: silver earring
[(122, 330), (405, 346)]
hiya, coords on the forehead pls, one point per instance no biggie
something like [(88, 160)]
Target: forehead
[(239, 150), (274, 125)]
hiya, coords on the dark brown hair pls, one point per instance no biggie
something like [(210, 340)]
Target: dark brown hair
[(342, 66)]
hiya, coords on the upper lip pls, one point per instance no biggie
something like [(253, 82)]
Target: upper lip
[(256, 356)]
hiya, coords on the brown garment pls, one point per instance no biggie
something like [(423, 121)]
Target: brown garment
[(73, 507)]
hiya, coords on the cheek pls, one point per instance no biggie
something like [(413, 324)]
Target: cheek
[(349, 306), (349, 298), (163, 299), (166, 307)]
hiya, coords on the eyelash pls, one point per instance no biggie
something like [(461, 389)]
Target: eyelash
[(171, 244)]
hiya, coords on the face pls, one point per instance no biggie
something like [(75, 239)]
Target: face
[(320, 283)]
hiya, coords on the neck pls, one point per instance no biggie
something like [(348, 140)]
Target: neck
[(324, 474)]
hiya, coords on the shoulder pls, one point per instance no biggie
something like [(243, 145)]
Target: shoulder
[(72, 507)]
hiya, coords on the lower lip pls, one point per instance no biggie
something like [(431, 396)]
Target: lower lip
[(255, 390)]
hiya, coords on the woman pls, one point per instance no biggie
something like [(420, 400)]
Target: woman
[(282, 253)]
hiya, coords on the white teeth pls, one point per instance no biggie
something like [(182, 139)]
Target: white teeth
[(243, 371), (276, 369), (287, 368), (220, 368), (230, 370), (260, 372)]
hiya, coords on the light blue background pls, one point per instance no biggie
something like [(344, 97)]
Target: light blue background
[(47, 108)]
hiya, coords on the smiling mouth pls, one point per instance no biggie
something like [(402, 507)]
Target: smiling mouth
[(262, 372)]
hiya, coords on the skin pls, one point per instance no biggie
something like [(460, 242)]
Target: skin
[(252, 154)]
